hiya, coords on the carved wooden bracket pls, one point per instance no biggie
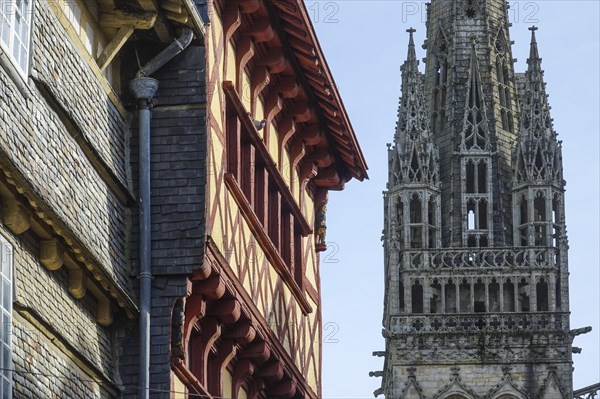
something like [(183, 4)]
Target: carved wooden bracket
[(283, 389), (248, 6), (328, 177), (259, 352), (297, 153), (52, 255), (260, 80), (322, 157), (244, 53), (261, 31), (273, 106), (301, 111), (103, 311), (242, 332), (232, 20), (288, 87), (312, 135), (201, 273), (16, 217), (77, 282), (211, 288), (195, 309), (243, 369), (286, 128), (275, 60), (271, 372), (211, 332), (228, 311), (308, 170)]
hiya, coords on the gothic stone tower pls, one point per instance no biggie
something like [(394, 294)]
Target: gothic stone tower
[(476, 302)]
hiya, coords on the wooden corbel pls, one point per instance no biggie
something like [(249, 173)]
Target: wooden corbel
[(244, 52), (104, 311), (182, 18), (275, 60), (242, 332), (226, 351), (308, 170), (288, 87), (232, 20), (202, 273), (273, 106), (256, 389), (77, 282), (312, 134), (15, 216), (301, 111), (328, 177), (271, 372), (52, 255), (258, 351), (211, 332), (243, 369), (297, 153), (284, 389), (104, 315), (261, 31), (195, 309), (228, 311), (322, 157), (248, 6), (286, 129), (211, 288), (260, 79)]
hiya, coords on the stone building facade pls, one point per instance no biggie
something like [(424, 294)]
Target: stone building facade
[(477, 301), (235, 304)]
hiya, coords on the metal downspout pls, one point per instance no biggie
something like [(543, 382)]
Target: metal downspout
[(144, 89)]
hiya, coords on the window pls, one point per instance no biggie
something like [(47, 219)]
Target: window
[(83, 21), (6, 296), (15, 25)]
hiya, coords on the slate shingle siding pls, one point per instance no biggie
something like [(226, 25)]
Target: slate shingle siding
[(35, 141), (178, 157), (45, 294)]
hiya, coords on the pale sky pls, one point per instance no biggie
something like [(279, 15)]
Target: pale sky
[(365, 43)]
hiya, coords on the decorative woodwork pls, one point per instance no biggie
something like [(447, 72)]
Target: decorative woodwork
[(15, 216), (262, 153), (77, 283), (271, 251), (51, 254)]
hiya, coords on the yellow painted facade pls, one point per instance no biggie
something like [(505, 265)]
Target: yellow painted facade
[(232, 234)]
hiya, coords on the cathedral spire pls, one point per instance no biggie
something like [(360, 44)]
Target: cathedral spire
[(475, 131), (538, 153), (415, 156), (412, 114), (535, 120)]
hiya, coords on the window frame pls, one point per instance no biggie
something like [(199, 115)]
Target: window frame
[(8, 49), (6, 309)]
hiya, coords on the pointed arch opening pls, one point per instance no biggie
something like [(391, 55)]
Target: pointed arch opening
[(542, 295), (417, 297)]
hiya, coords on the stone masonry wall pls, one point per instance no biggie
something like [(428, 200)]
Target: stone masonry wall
[(479, 380)]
